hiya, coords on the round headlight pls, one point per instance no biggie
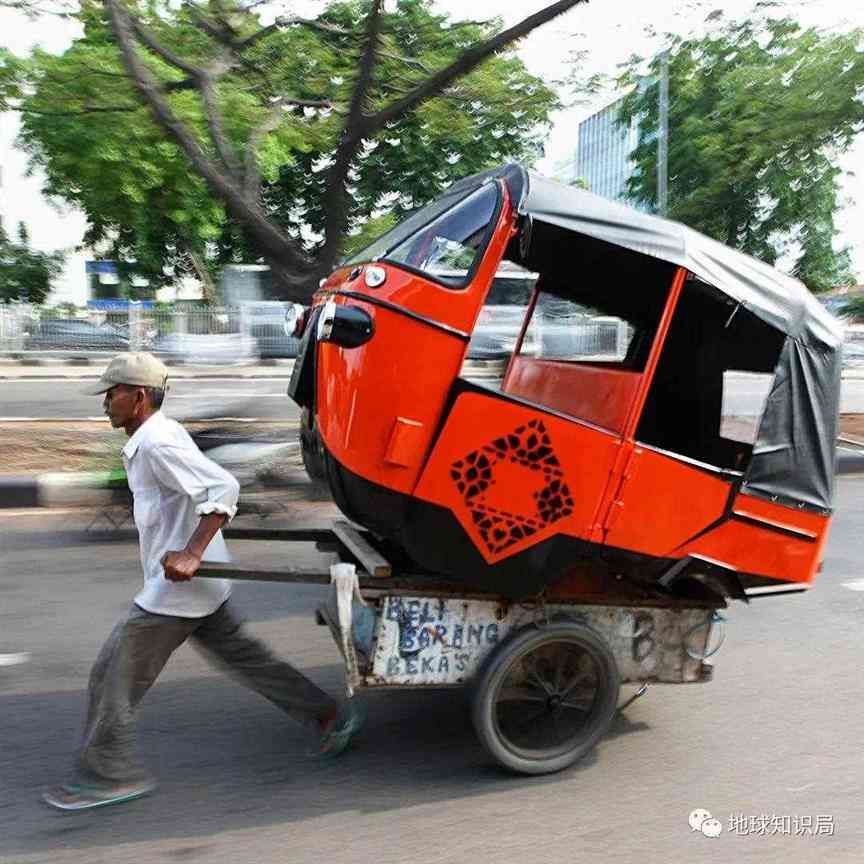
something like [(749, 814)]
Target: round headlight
[(375, 276), (295, 320)]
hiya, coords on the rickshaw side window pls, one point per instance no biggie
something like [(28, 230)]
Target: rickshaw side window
[(449, 247), (499, 323), (712, 380), (578, 361), (744, 396)]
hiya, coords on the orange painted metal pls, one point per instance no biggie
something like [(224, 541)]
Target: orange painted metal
[(404, 445), (515, 492), (669, 506), (599, 393), (656, 351), (405, 370), (664, 502), (612, 503)]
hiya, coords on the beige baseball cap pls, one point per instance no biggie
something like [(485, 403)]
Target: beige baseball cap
[(138, 369)]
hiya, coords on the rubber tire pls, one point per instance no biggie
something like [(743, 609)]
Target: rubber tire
[(495, 670), (311, 448)]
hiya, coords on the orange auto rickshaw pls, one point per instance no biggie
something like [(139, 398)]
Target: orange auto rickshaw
[(577, 470)]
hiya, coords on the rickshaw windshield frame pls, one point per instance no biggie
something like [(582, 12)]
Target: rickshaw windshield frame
[(418, 222)]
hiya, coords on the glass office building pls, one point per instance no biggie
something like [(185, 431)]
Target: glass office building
[(603, 152)]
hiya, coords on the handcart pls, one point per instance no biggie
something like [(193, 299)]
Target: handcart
[(581, 525), (545, 672)]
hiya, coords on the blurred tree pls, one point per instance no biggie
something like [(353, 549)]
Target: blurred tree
[(217, 138), (11, 73), (759, 112), (853, 308), (26, 274)]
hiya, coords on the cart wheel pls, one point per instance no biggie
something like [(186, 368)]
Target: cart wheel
[(545, 697)]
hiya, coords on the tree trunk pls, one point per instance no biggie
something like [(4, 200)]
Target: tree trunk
[(208, 286)]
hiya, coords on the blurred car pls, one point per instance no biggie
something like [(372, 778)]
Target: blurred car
[(217, 349), (559, 328), (496, 332), (853, 352), (74, 334), (501, 317), (265, 320)]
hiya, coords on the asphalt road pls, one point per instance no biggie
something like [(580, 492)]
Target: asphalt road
[(266, 399), (777, 733), (187, 399)]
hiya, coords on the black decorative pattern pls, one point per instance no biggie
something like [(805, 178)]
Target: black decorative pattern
[(530, 448)]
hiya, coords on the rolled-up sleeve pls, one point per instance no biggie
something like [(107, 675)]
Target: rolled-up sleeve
[(188, 470)]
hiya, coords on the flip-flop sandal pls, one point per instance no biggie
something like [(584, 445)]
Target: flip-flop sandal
[(351, 718), (74, 796)]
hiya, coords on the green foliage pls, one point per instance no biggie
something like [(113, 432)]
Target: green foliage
[(853, 308), (367, 233), (26, 274), (495, 114), (85, 128), (99, 149), (759, 112), (12, 70)]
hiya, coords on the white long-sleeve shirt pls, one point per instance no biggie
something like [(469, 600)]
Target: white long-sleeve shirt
[(174, 484)]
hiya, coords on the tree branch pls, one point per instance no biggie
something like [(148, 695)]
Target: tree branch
[(284, 253), (251, 176), (215, 125), (281, 23), (150, 41), (183, 84), (204, 81), (472, 58), (336, 195), (408, 61)]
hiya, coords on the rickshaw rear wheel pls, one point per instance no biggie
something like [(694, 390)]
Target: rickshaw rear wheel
[(545, 696)]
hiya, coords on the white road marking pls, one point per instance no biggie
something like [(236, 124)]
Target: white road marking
[(14, 659), (856, 585)]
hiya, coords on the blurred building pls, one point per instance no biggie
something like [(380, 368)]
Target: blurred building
[(603, 152), (246, 283)]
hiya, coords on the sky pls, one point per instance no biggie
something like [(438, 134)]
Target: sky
[(610, 30)]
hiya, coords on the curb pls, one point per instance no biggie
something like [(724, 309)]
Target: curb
[(57, 490), (16, 492)]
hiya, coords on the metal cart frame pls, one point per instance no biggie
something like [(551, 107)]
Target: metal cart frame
[(545, 672)]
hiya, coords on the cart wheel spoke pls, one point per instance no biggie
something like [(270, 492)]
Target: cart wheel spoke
[(583, 707), (535, 677), (521, 694), (577, 682), (560, 670), (559, 739), (546, 697)]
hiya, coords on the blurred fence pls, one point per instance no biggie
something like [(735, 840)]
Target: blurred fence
[(185, 335), (245, 333)]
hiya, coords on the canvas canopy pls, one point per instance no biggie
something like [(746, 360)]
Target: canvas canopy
[(794, 454)]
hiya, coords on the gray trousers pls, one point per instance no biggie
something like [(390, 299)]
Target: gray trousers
[(135, 654)]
